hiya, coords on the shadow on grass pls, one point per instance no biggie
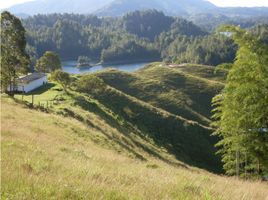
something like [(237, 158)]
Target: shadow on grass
[(127, 128), (189, 143), (42, 89)]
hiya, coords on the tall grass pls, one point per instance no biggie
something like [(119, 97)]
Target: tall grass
[(45, 156)]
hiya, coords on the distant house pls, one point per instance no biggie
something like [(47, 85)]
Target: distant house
[(29, 82)]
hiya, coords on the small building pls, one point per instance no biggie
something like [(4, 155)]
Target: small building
[(30, 82)]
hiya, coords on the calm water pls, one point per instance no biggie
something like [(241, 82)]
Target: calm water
[(70, 67)]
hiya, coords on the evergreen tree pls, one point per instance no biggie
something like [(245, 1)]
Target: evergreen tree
[(241, 111), (14, 59)]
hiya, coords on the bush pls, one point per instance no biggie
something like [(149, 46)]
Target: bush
[(90, 84), (62, 78)]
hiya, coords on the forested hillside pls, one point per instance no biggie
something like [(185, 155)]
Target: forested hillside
[(138, 36)]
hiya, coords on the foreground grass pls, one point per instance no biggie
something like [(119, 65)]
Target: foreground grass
[(45, 156)]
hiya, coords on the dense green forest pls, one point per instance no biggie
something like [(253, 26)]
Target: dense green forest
[(137, 36), (140, 35)]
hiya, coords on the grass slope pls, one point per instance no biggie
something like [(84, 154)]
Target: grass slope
[(184, 90), (164, 106), (47, 156)]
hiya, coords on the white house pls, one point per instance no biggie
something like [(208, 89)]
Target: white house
[(30, 82)]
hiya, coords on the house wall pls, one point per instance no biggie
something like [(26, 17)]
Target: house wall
[(32, 85)]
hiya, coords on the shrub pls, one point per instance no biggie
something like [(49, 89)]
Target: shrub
[(90, 84), (62, 78)]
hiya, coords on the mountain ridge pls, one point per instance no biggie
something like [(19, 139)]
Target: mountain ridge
[(121, 7)]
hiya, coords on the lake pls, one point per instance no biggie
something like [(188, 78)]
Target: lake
[(70, 67)]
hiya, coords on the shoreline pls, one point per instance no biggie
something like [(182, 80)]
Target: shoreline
[(105, 64), (128, 62)]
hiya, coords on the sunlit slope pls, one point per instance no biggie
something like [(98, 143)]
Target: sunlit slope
[(185, 90), (155, 106), (45, 156)]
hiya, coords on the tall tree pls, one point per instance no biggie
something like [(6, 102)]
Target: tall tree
[(14, 59), (49, 62), (241, 111)]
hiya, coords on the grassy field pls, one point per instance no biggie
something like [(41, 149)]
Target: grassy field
[(47, 156)]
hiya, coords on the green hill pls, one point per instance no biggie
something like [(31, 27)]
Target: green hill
[(166, 106), (183, 90), (47, 156)]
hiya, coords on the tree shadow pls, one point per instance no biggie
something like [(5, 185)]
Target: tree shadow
[(42, 89)]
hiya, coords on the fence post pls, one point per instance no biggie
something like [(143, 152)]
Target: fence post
[(32, 99)]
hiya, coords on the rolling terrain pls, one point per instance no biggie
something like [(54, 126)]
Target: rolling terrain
[(154, 103), (93, 148), (183, 90)]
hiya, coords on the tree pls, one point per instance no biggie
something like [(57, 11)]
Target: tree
[(61, 77), (14, 59), (49, 62), (241, 111), (83, 60), (90, 84)]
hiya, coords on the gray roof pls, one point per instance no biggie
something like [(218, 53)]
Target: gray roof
[(31, 77)]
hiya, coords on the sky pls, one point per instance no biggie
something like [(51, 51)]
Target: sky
[(246, 3)]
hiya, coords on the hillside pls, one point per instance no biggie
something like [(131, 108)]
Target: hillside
[(158, 106), (171, 7), (53, 157), (183, 90), (62, 6)]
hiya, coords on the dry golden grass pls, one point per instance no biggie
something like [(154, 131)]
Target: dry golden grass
[(45, 156)]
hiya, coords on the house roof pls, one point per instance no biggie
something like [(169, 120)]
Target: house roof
[(31, 77)]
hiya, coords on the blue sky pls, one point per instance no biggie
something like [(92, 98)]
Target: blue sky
[(247, 3)]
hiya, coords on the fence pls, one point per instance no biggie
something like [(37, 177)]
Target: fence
[(44, 104)]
